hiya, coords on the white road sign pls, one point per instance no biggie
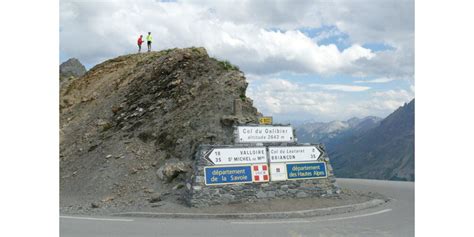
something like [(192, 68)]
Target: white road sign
[(293, 153), (243, 155), (278, 171), (261, 134)]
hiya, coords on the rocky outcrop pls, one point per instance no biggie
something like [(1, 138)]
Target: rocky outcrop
[(133, 118)]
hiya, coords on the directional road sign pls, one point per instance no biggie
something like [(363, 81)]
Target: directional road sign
[(227, 174), (306, 170), (240, 155), (293, 153)]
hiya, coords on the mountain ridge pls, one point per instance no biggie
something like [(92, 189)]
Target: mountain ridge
[(370, 147), (323, 132), (383, 152)]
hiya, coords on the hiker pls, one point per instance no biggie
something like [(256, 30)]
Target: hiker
[(140, 41), (149, 39)]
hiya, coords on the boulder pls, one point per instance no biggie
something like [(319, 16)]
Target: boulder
[(171, 170), (156, 197)]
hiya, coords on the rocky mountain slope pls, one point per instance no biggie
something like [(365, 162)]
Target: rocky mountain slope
[(383, 152), (320, 132), (130, 125)]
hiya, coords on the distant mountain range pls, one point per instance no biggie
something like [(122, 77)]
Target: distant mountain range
[(370, 147), (320, 132), (71, 68)]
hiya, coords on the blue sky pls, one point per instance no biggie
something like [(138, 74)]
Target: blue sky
[(304, 60)]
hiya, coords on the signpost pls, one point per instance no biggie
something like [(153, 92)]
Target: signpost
[(306, 170), (233, 156), (245, 164), (227, 174), (264, 134), (264, 161), (267, 120), (293, 153)]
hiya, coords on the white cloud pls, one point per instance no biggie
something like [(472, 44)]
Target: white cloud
[(396, 96), (261, 51), (376, 80), (340, 87), (288, 100), (382, 102), (412, 89), (364, 21), (279, 96), (330, 33), (245, 32), (94, 32)]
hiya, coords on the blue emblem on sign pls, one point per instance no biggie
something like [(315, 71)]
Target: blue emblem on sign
[(228, 174), (306, 170)]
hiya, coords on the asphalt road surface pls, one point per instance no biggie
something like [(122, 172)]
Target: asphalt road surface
[(393, 219)]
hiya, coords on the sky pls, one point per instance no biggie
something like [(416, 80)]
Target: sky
[(304, 60)]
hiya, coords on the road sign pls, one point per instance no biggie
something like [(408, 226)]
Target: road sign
[(260, 173), (306, 170), (227, 174), (233, 156), (278, 171), (293, 153), (265, 120), (262, 134)]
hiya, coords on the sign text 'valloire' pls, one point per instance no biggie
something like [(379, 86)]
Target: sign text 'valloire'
[(241, 155)]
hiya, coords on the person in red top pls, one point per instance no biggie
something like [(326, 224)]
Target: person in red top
[(140, 41)]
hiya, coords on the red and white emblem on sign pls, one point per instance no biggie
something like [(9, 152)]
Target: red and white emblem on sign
[(260, 173)]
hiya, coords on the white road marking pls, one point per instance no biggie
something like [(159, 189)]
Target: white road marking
[(308, 221), (363, 215), (94, 219), (268, 222)]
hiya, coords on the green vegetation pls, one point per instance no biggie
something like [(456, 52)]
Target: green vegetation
[(195, 50), (228, 66), (166, 51)]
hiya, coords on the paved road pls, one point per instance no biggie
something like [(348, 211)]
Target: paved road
[(393, 219)]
